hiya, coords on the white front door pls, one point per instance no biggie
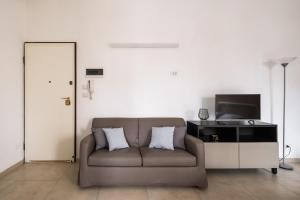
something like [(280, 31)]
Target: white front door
[(49, 101)]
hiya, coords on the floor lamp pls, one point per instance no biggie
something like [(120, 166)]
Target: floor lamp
[(284, 63)]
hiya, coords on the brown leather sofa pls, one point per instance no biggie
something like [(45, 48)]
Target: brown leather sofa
[(139, 165)]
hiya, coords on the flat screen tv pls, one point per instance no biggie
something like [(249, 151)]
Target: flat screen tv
[(237, 107)]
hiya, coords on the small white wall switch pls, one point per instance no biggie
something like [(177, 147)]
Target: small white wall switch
[(173, 73)]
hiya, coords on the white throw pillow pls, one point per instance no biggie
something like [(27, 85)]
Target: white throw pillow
[(162, 138), (115, 138)]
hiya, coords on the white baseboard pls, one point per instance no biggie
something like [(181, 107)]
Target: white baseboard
[(11, 168), (293, 160)]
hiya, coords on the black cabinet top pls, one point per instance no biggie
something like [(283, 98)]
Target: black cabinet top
[(230, 124)]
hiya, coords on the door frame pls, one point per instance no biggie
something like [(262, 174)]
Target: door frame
[(75, 93)]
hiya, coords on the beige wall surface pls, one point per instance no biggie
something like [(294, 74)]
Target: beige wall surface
[(223, 47), (12, 20)]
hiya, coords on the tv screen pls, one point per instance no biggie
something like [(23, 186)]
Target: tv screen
[(237, 106)]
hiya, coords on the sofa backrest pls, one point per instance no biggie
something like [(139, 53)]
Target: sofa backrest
[(146, 124), (130, 126)]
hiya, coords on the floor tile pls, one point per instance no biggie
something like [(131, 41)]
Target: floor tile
[(5, 183), (174, 193), (266, 191), (122, 193), (225, 191), (27, 190), (291, 186), (55, 181), (38, 172), (67, 189)]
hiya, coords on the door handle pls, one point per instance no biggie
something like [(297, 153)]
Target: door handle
[(67, 101)]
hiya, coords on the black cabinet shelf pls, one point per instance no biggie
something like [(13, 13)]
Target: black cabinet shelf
[(258, 134), (225, 134), (233, 131)]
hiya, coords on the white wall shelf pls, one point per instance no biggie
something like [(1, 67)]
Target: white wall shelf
[(145, 45)]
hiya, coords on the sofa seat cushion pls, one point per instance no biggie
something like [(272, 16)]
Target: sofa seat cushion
[(167, 158), (129, 157)]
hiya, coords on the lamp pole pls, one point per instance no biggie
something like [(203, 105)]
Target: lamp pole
[(284, 64)]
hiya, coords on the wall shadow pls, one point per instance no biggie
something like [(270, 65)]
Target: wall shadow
[(270, 64), (209, 103)]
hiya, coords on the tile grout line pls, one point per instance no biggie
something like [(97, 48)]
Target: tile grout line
[(288, 189), (98, 191), (248, 192), (48, 193), (148, 195)]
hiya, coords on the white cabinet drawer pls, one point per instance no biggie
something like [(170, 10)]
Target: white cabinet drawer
[(221, 155), (259, 155)]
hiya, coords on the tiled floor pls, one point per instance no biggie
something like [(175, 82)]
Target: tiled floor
[(58, 181)]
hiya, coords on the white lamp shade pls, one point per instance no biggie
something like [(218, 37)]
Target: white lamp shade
[(286, 60)]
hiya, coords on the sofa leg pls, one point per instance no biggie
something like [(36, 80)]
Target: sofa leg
[(203, 186)]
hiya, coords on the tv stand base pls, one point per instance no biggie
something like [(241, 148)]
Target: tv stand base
[(283, 165)]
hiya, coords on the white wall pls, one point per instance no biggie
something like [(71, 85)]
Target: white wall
[(11, 82), (223, 48)]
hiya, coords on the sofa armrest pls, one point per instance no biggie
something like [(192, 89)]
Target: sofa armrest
[(195, 146), (87, 146)]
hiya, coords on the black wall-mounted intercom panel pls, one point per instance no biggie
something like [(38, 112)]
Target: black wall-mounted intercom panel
[(94, 72)]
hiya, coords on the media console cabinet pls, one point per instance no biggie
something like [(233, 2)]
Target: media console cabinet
[(237, 144)]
